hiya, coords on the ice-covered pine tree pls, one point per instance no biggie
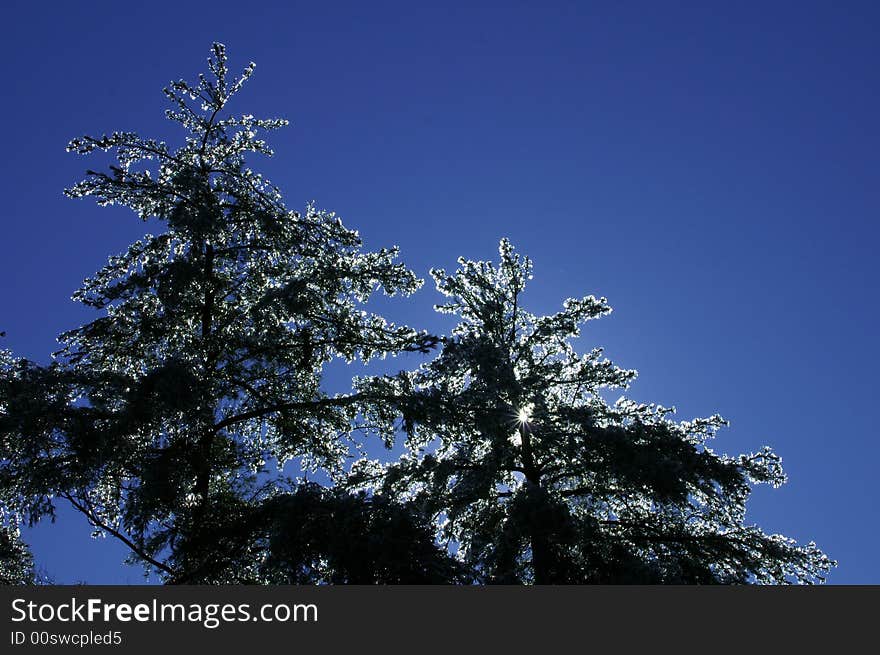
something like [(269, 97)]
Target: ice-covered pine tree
[(537, 478), (157, 418)]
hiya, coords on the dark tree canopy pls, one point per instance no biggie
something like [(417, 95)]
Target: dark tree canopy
[(540, 479), (16, 561), (168, 419), (317, 534)]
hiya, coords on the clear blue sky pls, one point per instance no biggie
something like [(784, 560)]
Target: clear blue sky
[(712, 168)]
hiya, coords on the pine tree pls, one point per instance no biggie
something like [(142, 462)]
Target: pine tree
[(537, 478), (162, 419)]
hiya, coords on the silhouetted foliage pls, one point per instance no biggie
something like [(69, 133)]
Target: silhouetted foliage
[(203, 371), (314, 534), (540, 479), (16, 562)]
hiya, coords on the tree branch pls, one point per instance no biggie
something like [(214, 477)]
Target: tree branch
[(344, 401), (95, 521)]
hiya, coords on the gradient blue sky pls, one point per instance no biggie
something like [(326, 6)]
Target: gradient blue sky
[(712, 168)]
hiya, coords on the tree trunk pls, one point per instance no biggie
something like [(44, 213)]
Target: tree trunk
[(541, 554), (206, 441)]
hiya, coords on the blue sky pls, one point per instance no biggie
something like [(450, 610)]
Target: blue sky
[(710, 168)]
